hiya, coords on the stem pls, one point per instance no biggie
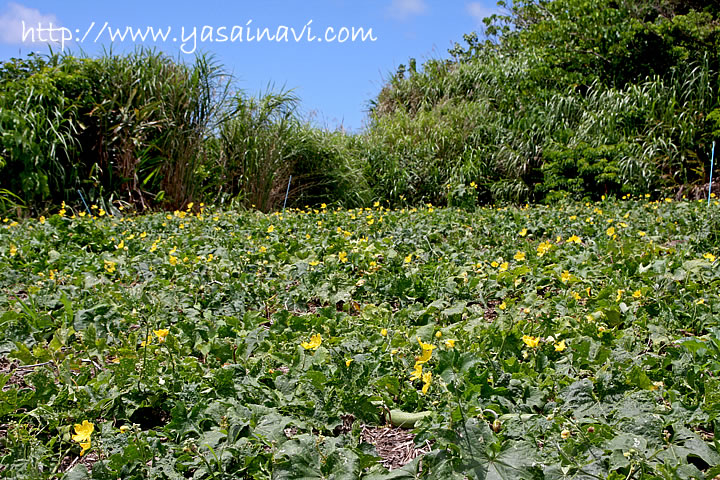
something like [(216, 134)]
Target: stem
[(147, 341), (172, 359), (57, 467), (207, 464)]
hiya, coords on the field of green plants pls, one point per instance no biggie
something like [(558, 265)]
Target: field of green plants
[(579, 340)]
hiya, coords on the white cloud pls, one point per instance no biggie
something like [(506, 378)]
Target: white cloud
[(479, 11), (11, 26), (402, 9)]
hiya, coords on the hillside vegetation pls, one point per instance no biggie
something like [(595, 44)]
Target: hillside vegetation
[(565, 97)]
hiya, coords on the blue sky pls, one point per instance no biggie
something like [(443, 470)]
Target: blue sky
[(334, 80)]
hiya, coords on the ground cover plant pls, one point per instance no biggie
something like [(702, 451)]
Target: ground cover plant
[(576, 341)]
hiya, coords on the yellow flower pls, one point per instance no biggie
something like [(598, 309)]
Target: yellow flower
[(637, 294), (427, 379), (575, 295), (502, 306), (417, 371), (173, 260), (699, 301), (494, 264), (13, 250), (523, 232), (270, 229), (641, 234), (109, 266), (473, 185), (610, 231), (383, 332), (313, 344), (120, 245), (85, 447), (41, 219), (531, 342), (124, 428), (426, 351), (619, 295), (83, 431), (342, 256), (147, 341), (504, 266), (565, 434), (450, 343), (560, 346), (709, 257), (348, 362), (565, 276), (574, 239), (519, 256), (408, 259), (323, 206), (438, 334), (313, 263), (543, 248), (161, 334), (101, 213)]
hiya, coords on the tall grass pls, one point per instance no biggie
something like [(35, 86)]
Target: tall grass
[(264, 143), (154, 133), (489, 121), (253, 150), (39, 127), (510, 121), (129, 127), (150, 120)]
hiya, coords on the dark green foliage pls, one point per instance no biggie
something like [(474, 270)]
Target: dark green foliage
[(128, 126), (38, 127), (149, 131), (583, 170), (578, 97), (586, 97)]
